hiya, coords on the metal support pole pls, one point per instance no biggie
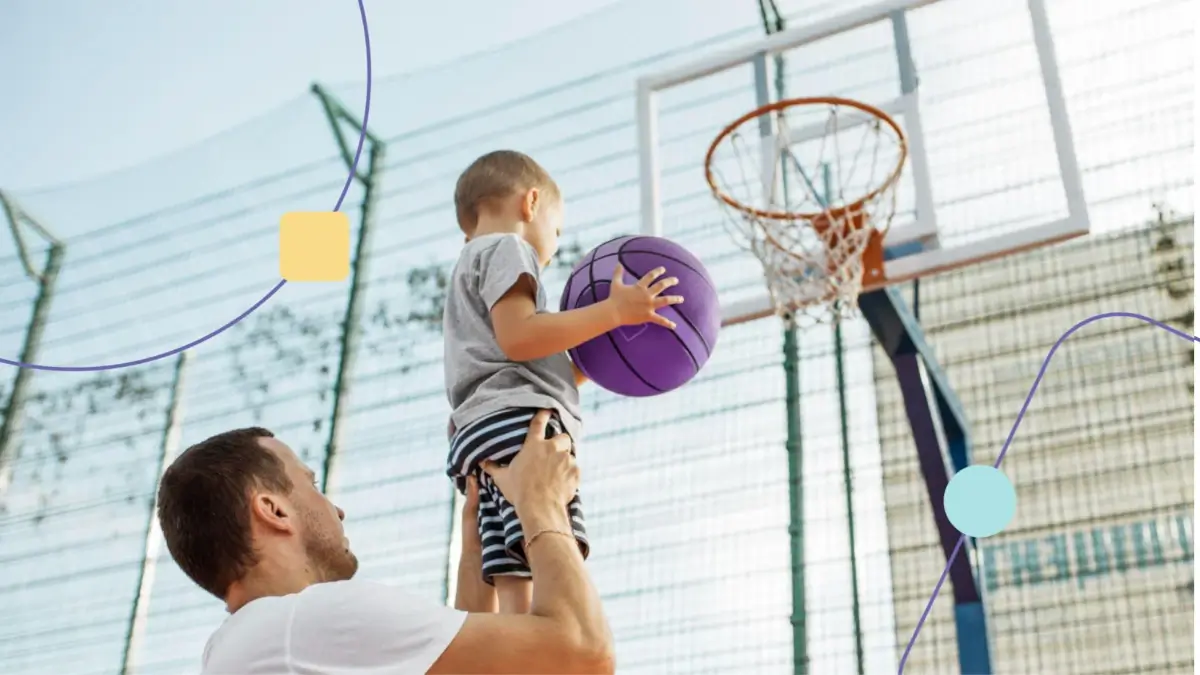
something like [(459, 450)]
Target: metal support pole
[(47, 279), (140, 614), (795, 453), (940, 432), (938, 424), (773, 22), (848, 483), (351, 320), (847, 468)]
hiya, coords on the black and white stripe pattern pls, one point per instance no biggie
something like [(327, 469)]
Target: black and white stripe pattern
[(498, 437)]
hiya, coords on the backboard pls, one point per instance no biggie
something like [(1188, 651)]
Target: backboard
[(991, 168)]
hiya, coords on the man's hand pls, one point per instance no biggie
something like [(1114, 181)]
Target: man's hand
[(565, 630), (543, 475), (470, 512), (639, 303)]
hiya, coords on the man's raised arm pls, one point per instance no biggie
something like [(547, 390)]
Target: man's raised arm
[(565, 630)]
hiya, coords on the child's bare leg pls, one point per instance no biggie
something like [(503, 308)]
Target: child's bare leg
[(514, 593)]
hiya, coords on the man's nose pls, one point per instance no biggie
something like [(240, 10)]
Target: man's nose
[(341, 513)]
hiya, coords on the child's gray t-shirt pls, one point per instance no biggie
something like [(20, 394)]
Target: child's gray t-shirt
[(480, 379)]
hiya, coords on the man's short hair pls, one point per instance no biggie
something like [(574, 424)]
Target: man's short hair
[(494, 176), (204, 505)]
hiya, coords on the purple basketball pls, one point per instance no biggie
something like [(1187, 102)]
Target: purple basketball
[(648, 359)]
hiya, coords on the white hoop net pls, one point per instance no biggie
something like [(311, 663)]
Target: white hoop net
[(807, 196)]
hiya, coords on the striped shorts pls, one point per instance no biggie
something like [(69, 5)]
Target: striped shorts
[(498, 437)]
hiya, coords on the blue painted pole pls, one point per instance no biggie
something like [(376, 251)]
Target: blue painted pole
[(940, 432)]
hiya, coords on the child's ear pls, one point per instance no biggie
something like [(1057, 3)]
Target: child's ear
[(530, 204)]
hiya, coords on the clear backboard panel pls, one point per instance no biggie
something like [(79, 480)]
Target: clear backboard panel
[(990, 169)]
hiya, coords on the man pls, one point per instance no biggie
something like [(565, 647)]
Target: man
[(243, 518)]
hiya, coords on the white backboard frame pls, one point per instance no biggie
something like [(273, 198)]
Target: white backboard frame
[(931, 257)]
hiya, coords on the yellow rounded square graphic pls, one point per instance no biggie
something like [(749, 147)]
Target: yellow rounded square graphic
[(314, 246)]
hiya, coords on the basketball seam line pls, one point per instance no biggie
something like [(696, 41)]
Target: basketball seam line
[(633, 238), (708, 349), (685, 317), (592, 278)]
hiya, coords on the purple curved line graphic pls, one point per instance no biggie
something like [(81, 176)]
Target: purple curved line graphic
[(362, 11), (1013, 432), (362, 135), (148, 359)]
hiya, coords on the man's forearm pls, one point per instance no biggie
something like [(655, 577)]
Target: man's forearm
[(562, 588), (473, 594)]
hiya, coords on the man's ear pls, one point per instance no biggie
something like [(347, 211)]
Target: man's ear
[(273, 512)]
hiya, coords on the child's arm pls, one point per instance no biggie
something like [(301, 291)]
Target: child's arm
[(525, 335), (508, 286)]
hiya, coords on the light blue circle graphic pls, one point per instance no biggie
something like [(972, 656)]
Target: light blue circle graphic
[(980, 501)]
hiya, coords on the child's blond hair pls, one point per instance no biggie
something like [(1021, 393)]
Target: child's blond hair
[(495, 176)]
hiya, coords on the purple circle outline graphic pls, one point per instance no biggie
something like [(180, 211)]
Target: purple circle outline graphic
[(1008, 441), (362, 11)]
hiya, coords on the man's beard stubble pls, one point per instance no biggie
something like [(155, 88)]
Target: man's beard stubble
[(328, 556)]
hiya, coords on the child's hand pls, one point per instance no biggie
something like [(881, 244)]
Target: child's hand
[(639, 303)]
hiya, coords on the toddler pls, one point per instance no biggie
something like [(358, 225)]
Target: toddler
[(506, 353)]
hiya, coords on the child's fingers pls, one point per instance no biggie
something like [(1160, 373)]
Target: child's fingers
[(667, 300), (663, 285), (653, 274), (662, 321), (618, 277)]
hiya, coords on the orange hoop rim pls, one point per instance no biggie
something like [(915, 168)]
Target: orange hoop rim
[(792, 103)]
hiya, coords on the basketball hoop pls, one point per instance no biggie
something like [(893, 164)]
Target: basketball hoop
[(804, 205)]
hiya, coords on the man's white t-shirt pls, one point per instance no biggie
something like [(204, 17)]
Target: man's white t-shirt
[(330, 629)]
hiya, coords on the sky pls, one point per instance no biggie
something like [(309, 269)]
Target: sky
[(93, 87)]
